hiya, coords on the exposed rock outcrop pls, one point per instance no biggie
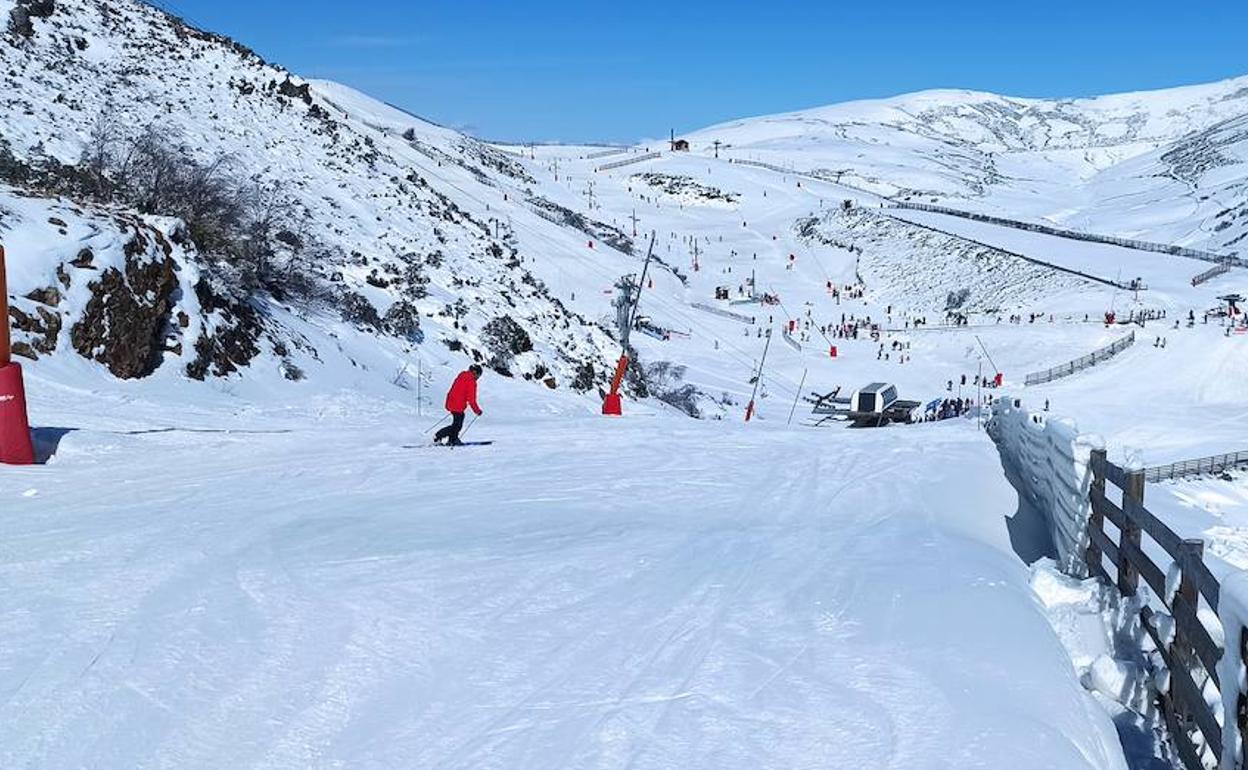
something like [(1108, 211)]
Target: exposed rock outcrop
[(126, 321)]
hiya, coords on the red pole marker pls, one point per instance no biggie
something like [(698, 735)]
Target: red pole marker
[(613, 405), (832, 352), (15, 444)]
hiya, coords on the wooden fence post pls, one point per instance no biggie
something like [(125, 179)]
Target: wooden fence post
[(1191, 552), (1129, 539), (1096, 520)]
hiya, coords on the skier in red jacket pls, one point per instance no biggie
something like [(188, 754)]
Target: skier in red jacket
[(462, 395)]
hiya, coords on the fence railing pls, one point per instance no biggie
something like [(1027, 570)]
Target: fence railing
[(1172, 617), (1061, 232), (628, 161), (1084, 362), (1196, 467), (546, 214), (816, 175), (745, 319), (608, 153), (1210, 274), (1127, 286), (788, 337), (771, 167)]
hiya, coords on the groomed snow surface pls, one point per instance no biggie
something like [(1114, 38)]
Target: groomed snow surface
[(642, 592)]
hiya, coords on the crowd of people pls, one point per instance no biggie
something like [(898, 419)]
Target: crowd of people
[(1031, 318), (957, 319), (883, 330), (948, 408)]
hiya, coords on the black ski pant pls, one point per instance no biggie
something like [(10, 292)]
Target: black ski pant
[(451, 431)]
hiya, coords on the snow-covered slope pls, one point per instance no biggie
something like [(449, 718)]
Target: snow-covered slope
[(268, 567), (312, 594), (993, 123), (1164, 165), (394, 217), (1193, 190)]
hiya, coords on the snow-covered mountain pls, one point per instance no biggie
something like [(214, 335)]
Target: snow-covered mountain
[(372, 237), (1166, 165), (993, 123), (380, 230), (1192, 190)]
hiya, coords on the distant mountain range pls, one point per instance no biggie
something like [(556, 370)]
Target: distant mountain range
[(1167, 165)]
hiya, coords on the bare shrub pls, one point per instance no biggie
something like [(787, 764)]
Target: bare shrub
[(245, 228), (666, 383)]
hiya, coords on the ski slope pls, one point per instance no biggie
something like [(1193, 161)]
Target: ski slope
[(584, 593), (268, 571), (302, 590), (1166, 278)]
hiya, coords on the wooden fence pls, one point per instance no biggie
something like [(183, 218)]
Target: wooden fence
[(1076, 235), (817, 175), (545, 213), (608, 153), (1196, 467), (1081, 363), (1186, 646), (745, 319), (1210, 274), (772, 167), (628, 161)]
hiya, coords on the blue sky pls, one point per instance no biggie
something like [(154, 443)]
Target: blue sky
[(618, 71)]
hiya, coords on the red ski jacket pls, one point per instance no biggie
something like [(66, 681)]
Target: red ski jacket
[(463, 394)]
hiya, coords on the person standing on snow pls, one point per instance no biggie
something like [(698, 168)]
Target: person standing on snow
[(462, 395)]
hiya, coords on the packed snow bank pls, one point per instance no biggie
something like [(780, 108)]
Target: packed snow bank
[(1111, 652), (1233, 615), (1049, 458), (584, 593), (1051, 463)]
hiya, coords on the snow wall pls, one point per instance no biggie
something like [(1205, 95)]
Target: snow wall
[(1049, 464), (1048, 460)]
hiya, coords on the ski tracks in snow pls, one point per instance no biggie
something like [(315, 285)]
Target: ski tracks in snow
[(696, 598)]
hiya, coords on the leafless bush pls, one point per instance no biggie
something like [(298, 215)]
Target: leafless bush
[(244, 227), (666, 383)]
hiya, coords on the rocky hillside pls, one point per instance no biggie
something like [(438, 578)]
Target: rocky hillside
[(215, 206)]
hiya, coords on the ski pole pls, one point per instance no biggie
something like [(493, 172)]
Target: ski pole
[(431, 427), (475, 417)]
